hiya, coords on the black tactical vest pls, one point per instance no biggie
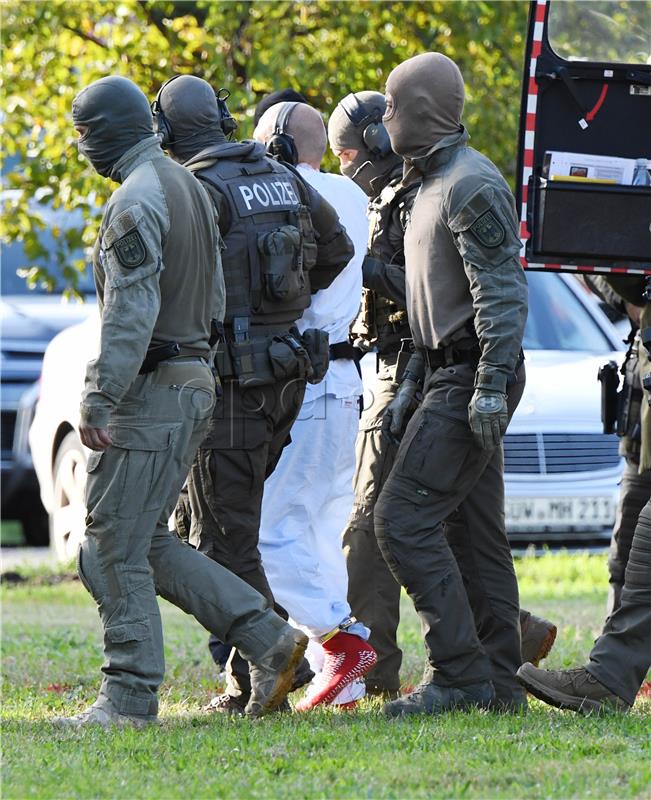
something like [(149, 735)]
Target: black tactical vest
[(381, 323), (270, 245)]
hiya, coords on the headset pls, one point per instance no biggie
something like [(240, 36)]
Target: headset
[(162, 126), (281, 145), (374, 134)]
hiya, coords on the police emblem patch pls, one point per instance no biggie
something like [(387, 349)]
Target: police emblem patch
[(130, 250), (489, 230)]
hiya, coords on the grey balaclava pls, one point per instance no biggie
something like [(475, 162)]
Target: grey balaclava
[(190, 108), (118, 117), (366, 169), (425, 96)]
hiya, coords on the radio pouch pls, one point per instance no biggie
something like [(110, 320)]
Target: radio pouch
[(317, 345), (282, 263), (289, 358)]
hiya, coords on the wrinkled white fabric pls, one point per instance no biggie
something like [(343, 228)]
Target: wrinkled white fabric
[(334, 309), (306, 503)]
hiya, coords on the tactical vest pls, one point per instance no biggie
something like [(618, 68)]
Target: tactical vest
[(381, 322), (270, 245)]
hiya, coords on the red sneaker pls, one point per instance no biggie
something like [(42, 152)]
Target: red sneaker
[(346, 657)]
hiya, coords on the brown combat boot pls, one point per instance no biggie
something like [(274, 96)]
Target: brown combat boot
[(235, 706), (576, 689), (228, 704), (273, 675), (538, 636)]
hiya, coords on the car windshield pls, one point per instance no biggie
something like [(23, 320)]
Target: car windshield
[(13, 258), (558, 320)]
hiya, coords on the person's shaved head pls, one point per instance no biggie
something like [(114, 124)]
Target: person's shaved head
[(305, 125)]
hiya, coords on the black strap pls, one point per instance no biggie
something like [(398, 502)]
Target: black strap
[(216, 332), (341, 350), (447, 356)]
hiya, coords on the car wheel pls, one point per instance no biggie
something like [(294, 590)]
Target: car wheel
[(67, 519)]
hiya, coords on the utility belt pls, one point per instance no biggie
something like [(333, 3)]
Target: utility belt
[(462, 352), (450, 355), (271, 354)]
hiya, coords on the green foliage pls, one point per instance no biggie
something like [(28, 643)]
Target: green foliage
[(51, 50), (602, 30)]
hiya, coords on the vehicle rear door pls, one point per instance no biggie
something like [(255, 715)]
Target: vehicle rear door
[(585, 121)]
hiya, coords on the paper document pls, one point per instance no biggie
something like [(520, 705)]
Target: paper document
[(557, 165)]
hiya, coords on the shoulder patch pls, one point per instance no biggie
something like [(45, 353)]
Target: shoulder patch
[(488, 229), (130, 250)]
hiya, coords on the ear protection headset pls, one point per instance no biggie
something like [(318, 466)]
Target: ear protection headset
[(374, 134), (281, 145), (162, 126)]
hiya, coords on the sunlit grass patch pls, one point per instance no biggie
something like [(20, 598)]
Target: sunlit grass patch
[(51, 660)]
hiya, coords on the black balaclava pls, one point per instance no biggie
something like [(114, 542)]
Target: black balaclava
[(279, 96), (118, 117), (190, 108), (425, 96), (366, 169)]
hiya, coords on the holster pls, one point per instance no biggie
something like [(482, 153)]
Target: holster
[(157, 353), (630, 396), (406, 352), (609, 379)]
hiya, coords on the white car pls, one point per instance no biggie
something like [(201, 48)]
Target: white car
[(58, 455), (562, 473)]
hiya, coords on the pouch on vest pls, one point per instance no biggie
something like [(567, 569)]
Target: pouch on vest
[(317, 344), (308, 237), (250, 362), (289, 358), (282, 263)]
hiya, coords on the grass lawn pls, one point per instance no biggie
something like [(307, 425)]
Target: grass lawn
[(51, 659)]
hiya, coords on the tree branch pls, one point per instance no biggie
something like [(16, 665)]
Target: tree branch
[(90, 37)]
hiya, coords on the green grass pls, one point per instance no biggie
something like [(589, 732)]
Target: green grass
[(11, 533), (51, 659)]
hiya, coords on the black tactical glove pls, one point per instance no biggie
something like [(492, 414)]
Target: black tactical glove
[(488, 417), (399, 410)]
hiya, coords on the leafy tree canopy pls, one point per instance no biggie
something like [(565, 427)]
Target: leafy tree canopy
[(51, 50)]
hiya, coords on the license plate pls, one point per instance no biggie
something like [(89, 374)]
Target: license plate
[(534, 512)]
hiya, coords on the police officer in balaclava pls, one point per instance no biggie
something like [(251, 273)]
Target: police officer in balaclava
[(358, 138), (467, 306), (282, 242), (144, 411), (382, 325), (116, 116)]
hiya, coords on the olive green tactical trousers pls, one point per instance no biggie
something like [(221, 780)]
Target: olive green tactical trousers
[(373, 592), (634, 494), (471, 584), (621, 656), (129, 555)]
